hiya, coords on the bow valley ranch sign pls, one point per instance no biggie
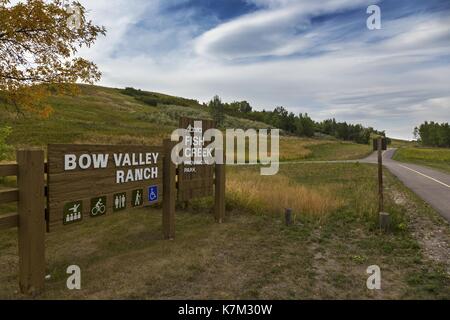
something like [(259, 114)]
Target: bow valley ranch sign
[(121, 160), (96, 180), (90, 181)]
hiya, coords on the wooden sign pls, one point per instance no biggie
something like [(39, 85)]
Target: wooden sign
[(383, 144), (89, 181), (195, 180)]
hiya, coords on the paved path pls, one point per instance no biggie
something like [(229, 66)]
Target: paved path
[(431, 185)]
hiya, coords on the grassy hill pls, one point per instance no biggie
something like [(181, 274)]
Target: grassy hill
[(324, 254), (102, 115)]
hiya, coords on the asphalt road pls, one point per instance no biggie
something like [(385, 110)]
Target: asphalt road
[(430, 185)]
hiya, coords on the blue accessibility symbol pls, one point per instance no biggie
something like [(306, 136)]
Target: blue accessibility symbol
[(153, 193)]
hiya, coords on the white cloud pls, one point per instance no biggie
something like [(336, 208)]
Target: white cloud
[(391, 79), (272, 31)]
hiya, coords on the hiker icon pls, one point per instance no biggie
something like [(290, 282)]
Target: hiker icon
[(99, 208), (138, 198)]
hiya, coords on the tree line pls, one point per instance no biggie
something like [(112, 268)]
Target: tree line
[(299, 125), (433, 134)]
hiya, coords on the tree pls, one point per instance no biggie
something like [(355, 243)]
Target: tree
[(4, 147), (39, 41), (245, 107), (433, 134), (217, 110), (305, 125)]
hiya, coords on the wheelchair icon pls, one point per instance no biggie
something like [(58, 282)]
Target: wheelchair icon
[(153, 193)]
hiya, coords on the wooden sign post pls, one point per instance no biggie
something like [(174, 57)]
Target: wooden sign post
[(380, 175), (219, 200), (31, 208), (381, 144), (199, 180), (90, 181), (170, 191)]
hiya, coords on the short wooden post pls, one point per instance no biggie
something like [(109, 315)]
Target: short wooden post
[(288, 217), (169, 191), (31, 208), (380, 176), (384, 217), (219, 198), (385, 221)]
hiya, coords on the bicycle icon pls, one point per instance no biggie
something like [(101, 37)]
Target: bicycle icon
[(99, 208)]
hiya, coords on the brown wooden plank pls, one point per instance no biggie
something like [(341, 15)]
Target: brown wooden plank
[(56, 163), (83, 185), (31, 208), (195, 184), (8, 221), (7, 170), (169, 186), (9, 195), (219, 202), (57, 207)]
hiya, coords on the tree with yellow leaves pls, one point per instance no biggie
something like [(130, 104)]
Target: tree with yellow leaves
[(39, 41)]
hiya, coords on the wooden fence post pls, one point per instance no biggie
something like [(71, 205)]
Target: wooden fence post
[(380, 175), (384, 217), (219, 199), (169, 191), (31, 208)]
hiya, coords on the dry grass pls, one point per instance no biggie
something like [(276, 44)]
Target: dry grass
[(250, 256), (293, 148), (250, 190)]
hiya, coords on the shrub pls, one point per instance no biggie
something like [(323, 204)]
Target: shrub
[(148, 101), (4, 147)]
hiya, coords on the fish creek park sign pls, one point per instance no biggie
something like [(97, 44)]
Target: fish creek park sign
[(88, 181), (195, 179)]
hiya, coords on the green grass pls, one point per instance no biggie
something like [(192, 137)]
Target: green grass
[(438, 158), (105, 116), (101, 115), (251, 256), (339, 151), (397, 143)]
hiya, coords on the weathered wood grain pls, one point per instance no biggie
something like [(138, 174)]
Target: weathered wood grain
[(83, 185), (7, 170), (9, 195), (199, 183), (8, 221), (31, 208)]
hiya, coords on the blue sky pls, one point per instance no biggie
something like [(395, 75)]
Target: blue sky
[(306, 55)]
